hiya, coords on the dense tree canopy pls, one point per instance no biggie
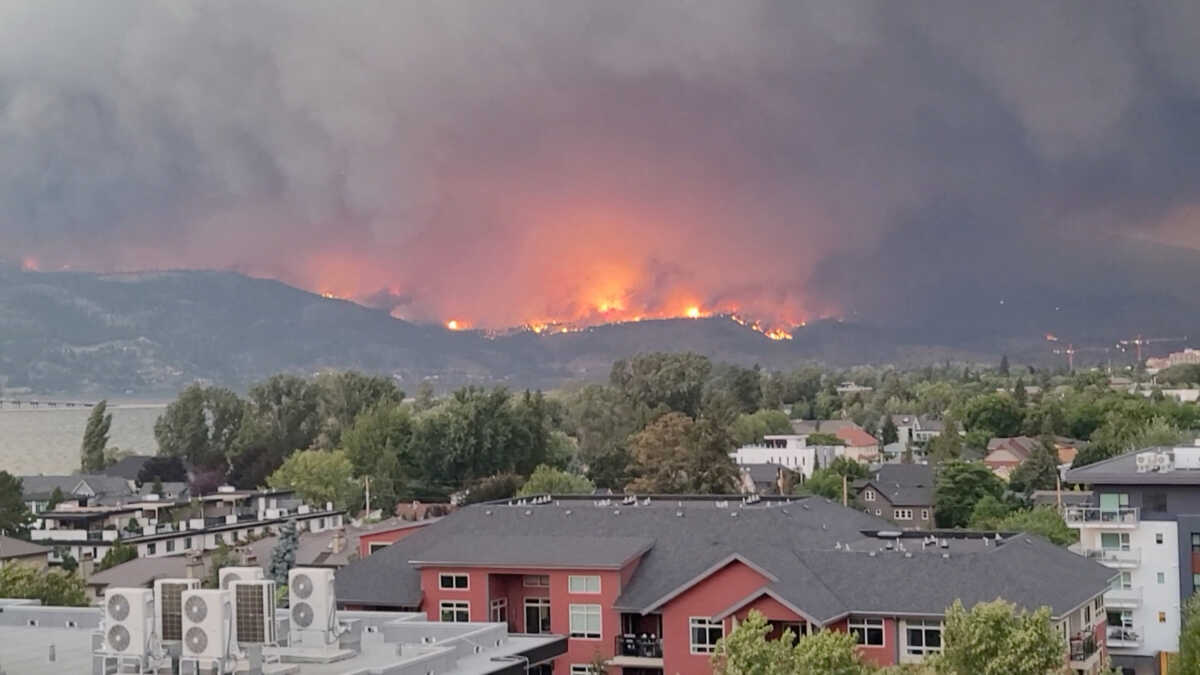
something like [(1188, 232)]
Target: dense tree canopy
[(200, 426), (15, 517), (95, 439), (993, 638), (959, 487), (318, 476)]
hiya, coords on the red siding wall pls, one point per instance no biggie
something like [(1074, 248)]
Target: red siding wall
[(384, 537), (718, 592), (880, 656)]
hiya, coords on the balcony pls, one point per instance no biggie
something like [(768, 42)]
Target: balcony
[(1113, 557), (1084, 651), (1124, 637), (1108, 518), (1123, 598), (637, 651)]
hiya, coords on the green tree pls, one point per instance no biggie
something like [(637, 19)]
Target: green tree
[(490, 488), (55, 588), (283, 556), (602, 419), (959, 487), (750, 428), (663, 382), (888, 433), (1019, 394), (828, 481), (318, 476), (425, 398), (56, 497), (15, 517), (993, 638), (166, 468), (1004, 365), (1044, 521), (987, 512), (998, 413), (1039, 471), (548, 480), (280, 418), (676, 455), (1187, 662), (747, 651), (829, 652), (69, 563), (946, 446), (224, 556), (119, 553), (820, 439), (95, 439), (343, 396), (200, 427)]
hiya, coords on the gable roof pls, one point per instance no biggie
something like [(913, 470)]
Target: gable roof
[(39, 488), (856, 437), (814, 555), (534, 550), (11, 547), (903, 484), (127, 467)]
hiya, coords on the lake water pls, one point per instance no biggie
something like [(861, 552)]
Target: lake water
[(46, 440)]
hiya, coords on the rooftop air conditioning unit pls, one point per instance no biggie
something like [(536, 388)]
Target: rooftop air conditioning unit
[(207, 625), (313, 607), (254, 609), (1146, 461), (168, 607), (228, 575), (129, 620), (1165, 462)]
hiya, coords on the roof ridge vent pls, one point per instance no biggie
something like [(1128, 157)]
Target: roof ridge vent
[(945, 556), (870, 553), (679, 514)]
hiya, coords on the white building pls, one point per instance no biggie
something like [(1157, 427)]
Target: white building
[(789, 450)]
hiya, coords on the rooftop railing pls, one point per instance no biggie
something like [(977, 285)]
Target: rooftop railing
[(1101, 516)]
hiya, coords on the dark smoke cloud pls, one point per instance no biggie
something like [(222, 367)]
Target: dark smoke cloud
[(506, 161)]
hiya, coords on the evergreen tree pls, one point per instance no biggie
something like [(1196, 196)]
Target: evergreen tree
[(1019, 394), (56, 497), (888, 433), (95, 439), (14, 515), (283, 557), (1004, 365)]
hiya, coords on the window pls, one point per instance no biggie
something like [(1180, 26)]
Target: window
[(705, 634), (1196, 542), (1114, 541), (170, 545), (585, 621), (1195, 582), (583, 584), (453, 582), (582, 669), (878, 512), (1162, 578), (151, 548), (868, 631), (1158, 537), (869, 495), (1099, 603), (1154, 501), (1087, 615), (187, 542), (455, 611), (537, 615), (499, 611), (922, 638), (1162, 617), (924, 514), (902, 514), (1123, 582), (537, 581), (375, 546)]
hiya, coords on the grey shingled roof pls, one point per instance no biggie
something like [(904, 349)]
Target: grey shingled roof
[(127, 467), (1122, 470), (800, 544), (904, 484), (19, 548), (41, 487), (763, 473), (141, 572), (541, 550)]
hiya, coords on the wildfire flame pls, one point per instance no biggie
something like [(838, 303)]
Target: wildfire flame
[(30, 264)]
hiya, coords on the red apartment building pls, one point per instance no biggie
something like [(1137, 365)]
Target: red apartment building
[(652, 584)]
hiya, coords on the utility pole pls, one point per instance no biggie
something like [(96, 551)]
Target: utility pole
[(844, 490), (367, 486)]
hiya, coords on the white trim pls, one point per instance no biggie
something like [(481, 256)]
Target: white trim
[(741, 604), (907, 514), (706, 624), (864, 625), (454, 606), (586, 578), (585, 611), (453, 575), (498, 604), (526, 577)]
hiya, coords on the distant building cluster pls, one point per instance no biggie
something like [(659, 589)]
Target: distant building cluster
[(1188, 356)]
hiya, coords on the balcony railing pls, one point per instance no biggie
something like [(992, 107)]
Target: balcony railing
[(1115, 557), (1124, 636), (1123, 597), (1100, 516), (639, 646), (1083, 646)]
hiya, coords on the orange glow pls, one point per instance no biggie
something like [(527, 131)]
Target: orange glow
[(452, 324), (693, 312), (30, 264)]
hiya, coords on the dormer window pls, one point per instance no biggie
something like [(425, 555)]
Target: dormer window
[(869, 495)]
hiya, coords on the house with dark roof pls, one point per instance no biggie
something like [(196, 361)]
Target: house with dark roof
[(915, 429), (19, 551), (652, 583), (86, 489), (901, 493), (858, 444), (127, 467), (767, 479)]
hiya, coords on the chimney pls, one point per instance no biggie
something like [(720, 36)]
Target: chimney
[(195, 565), (339, 540)]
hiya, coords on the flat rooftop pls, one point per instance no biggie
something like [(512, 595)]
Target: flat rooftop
[(1124, 470)]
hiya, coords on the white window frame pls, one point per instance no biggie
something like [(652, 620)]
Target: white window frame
[(924, 514), (497, 606), (868, 495), (916, 654), (582, 669), (585, 613), (453, 586), (585, 580), (373, 546), (902, 514), (540, 603), (454, 607), (533, 581), (862, 625), (707, 625)]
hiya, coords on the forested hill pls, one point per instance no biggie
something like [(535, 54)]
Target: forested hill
[(152, 333)]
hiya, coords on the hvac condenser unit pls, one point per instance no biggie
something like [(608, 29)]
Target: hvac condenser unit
[(313, 607), (228, 575), (207, 625), (254, 612), (128, 621), (168, 607)]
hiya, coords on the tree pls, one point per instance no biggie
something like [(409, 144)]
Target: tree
[(280, 418), (946, 446), (490, 488), (602, 419), (384, 429), (200, 427), (548, 480), (119, 553), (1039, 471), (993, 638), (888, 433), (997, 413), (15, 517), (1187, 661), (747, 651), (343, 396), (283, 556), (750, 428), (987, 512), (56, 588), (69, 563), (819, 439), (56, 497), (959, 487), (828, 481), (1004, 365), (1044, 521), (1019, 393), (318, 476), (165, 468), (829, 652), (95, 439), (663, 382), (676, 455), (225, 556)]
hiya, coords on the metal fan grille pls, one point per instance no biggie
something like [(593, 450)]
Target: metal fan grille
[(196, 609), (118, 638), (196, 639), (302, 614), (302, 586), (118, 607), (229, 579)]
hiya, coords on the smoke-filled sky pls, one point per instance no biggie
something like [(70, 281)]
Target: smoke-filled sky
[(504, 162)]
